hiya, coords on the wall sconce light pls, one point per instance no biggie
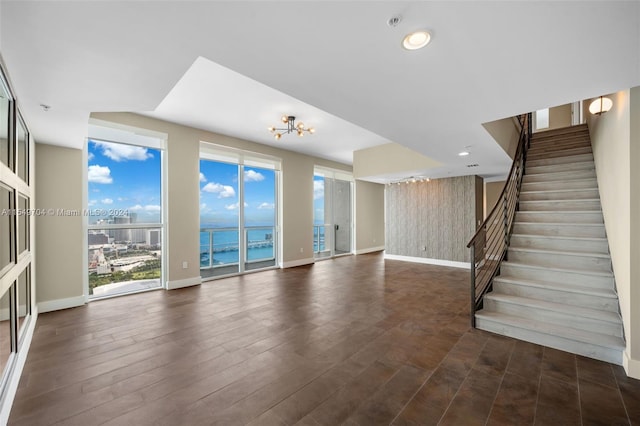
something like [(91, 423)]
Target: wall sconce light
[(600, 105)]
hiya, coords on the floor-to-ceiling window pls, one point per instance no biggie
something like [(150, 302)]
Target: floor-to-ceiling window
[(333, 213), (238, 211), (125, 220)]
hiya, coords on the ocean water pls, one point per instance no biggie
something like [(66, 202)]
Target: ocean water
[(225, 245)]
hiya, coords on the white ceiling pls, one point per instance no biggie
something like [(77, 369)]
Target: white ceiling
[(235, 67), (218, 99)]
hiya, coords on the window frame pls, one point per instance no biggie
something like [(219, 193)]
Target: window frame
[(244, 158), (158, 143)]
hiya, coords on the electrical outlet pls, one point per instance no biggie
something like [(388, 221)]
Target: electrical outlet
[(301, 249), (185, 265)]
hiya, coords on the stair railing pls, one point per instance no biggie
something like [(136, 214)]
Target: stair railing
[(490, 243)]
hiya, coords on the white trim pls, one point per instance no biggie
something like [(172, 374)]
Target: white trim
[(440, 262), (299, 262), (58, 304), (369, 250), (331, 173), (187, 282), (85, 220), (109, 131), (631, 366), (227, 154), (16, 373)]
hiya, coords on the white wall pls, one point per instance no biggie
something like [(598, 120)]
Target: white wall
[(59, 239), (369, 216), (617, 159), (492, 191), (634, 302), (390, 159), (506, 133), (559, 116)]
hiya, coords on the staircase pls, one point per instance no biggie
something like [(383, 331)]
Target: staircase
[(556, 287)]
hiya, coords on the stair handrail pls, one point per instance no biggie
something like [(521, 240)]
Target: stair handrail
[(490, 242)]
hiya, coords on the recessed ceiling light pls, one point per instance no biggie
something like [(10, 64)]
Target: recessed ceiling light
[(463, 153), (416, 40)]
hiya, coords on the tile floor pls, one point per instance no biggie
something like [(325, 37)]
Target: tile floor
[(356, 340)]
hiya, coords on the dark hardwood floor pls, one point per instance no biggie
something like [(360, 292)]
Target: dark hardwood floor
[(356, 340)]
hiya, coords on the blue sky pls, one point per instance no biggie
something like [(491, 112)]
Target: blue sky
[(128, 177), (124, 177), (219, 195), (318, 200)]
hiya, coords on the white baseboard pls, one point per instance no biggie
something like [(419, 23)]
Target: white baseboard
[(16, 371), (631, 366), (187, 282), (58, 304), (299, 262), (369, 250), (440, 262)]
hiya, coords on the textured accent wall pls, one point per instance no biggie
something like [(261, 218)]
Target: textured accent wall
[(433, 219)]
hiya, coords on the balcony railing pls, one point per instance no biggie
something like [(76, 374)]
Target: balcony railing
[(220, 247), (260, 243), (322, 237)]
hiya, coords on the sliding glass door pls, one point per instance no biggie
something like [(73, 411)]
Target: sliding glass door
[(238, 212), (259, 213), (219, 219), (333, 214)]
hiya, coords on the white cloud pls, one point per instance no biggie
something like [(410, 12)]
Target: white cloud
[(151, 208), (234, 206), (121, 152), (122, 199), (223, 191), (266, 206), (252, 176), (99, 174), (90, 156), (203, 206), (92, 202), (106, 201), (318, 189), (202, 178)]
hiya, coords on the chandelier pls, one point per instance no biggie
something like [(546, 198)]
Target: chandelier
[(290, 121)]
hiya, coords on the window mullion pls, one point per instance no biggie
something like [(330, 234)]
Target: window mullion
[(242, 237)]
